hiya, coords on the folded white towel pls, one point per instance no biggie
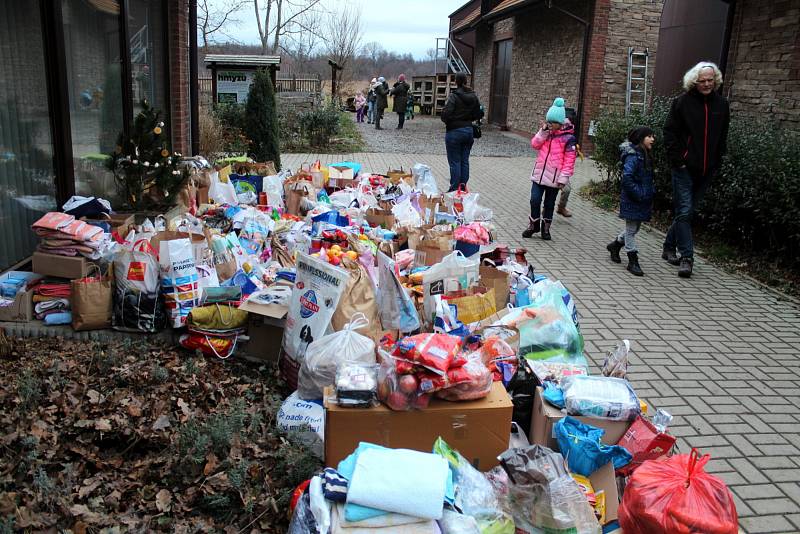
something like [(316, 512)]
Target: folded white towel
[(400, 480), (422, 526)]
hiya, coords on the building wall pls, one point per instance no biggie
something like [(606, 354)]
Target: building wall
[(180, 112), (763, 71), (546, 62)]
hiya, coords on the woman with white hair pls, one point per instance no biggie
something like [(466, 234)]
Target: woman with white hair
[(695, 136)]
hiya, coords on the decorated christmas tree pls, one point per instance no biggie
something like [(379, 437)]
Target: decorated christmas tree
[(145, 169)]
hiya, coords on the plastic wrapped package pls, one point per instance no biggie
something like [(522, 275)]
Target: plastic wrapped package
[(356, 384), (324, 356), (470, 382), (303, 521), (399, 391), (600, 396), (555, 372), (676, 496), (551, 334), (543, 497), (435, 352), (616, 361)]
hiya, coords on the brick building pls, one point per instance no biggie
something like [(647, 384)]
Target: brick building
[(72, 74), (523, 53)]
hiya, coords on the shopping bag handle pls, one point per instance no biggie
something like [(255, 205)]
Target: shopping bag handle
[(357, 320), (214, 350)]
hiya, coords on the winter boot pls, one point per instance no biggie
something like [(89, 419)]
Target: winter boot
[(563, 211), (614, 247), (685, 269), (633, 264), (533, 227), (546, 229), (669, 255)]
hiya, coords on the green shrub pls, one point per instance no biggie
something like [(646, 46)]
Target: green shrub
[(261, 120), (319, 124), (755, 199)]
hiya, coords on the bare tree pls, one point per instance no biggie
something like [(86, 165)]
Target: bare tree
[(212, 16), (344, 32), (291, 17)]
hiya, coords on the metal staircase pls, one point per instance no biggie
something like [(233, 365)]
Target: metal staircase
[(636, 89), (139, 46), (448, 57)]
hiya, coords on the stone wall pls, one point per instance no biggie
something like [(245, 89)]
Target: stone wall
[(763, 71), (546, 63)]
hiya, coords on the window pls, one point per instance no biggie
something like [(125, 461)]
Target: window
[(148, 54), (27, 178)]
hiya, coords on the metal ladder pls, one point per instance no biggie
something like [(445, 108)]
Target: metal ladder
[(636, 89), (447, 54)]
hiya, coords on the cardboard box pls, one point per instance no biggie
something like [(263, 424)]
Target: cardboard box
[(429, 256), (546, 415), (265, 339), (21, 311), (69, 267), (479, 429), (605, 480)]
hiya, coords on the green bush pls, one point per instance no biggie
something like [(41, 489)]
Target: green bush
[(319, 124), (261, 120), (755, 199)]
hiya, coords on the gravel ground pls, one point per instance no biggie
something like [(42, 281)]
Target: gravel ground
[(425, 135)]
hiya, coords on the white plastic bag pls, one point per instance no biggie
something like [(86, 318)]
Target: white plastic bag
[(454, 272), (273, 187), (305, 419), (405, 214), (475, 212), (221, 193), (320, 507), (424, 179), (604, 397), (315, 296), (137, 268), (324, 356)]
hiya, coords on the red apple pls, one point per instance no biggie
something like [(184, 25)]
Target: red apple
[(421, 401), (397, 401), (408, 384)]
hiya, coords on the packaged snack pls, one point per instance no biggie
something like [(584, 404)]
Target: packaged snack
[(433, 351), (356, 384)]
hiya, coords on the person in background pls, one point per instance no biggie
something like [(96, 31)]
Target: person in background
[(563, 198), (695, 137), (636, 195), (360, 103), (555, 163), (381, 100), (371, 101), (460, 110), (400, 93), (410, 107)]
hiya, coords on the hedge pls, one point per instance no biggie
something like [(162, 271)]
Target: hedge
[(754, 201)]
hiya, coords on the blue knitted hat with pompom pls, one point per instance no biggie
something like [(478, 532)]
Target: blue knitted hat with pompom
[(556, 112)]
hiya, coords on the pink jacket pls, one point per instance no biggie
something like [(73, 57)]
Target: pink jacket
[(555, 162)]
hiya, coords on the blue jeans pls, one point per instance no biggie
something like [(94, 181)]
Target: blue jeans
[(458, 143), (687, 194), (549, 194), (370, 111)]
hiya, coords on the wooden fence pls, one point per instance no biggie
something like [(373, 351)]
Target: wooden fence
[(294, 84)]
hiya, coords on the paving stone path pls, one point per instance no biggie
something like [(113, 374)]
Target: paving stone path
[(717, 351)]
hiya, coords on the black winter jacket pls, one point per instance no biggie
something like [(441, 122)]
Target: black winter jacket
[(462, 107), (696, 131)]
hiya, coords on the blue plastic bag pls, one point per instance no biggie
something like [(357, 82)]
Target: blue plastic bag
[(581, 446)]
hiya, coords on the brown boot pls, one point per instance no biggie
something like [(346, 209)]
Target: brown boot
[(563, 211)]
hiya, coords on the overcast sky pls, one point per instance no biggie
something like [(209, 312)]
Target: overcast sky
[(403, 26)]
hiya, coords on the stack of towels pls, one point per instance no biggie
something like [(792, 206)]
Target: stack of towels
[(64, 235), (51, 301), (379, 490)]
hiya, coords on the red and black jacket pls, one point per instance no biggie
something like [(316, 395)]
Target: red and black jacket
[(695, 132)]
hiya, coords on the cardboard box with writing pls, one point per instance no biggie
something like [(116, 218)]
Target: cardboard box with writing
[(69, 267), (424, 255), (479, 429), (265, 329), (21, 310), (546, 415)]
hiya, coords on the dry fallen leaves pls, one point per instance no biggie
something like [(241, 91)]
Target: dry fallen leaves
[(163, 500)]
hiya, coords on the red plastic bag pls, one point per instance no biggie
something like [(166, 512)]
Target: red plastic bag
[(644, 442), (433, 351), (676, 496)]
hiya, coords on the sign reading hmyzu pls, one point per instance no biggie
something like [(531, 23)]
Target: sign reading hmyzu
[(232, 75)]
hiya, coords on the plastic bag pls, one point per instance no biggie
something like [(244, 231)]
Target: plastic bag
[(551, 334), (399, 391), (405, 214), (435, 352), (396, 307), (356, 384), (676, 496), (600, 396), (475, 212), (221, 193), (305, 419), (543, 497), (273, 187), (580, 444), (303, 521), (424, 179), (616, 361), (179, 279), (326, 354), (454, 272), (476, 385)]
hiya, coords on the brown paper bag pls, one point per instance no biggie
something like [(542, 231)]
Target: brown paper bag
[(92, 301), (379, 217), (295, 194), (396, 176), (358, 296), (280, 253), (497, 280)]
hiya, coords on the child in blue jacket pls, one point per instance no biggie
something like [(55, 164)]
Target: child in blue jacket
[(636, 196)]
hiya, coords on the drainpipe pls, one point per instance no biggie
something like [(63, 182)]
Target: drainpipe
[(584, 60)]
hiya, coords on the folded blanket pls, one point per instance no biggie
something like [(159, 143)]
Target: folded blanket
[(58, 318), (52, 305), (400, 480), (334, 485), (59, 290), (419, 527), (389, 519)]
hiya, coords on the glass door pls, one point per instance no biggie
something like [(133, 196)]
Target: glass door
[(27, 178)]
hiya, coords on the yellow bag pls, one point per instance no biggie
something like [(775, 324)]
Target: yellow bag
[(476, 306), (217, 317)]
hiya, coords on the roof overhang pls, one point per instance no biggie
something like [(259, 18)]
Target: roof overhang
[(241, 60)]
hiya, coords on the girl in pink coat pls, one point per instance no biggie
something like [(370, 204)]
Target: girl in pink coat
[(554, 166)]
